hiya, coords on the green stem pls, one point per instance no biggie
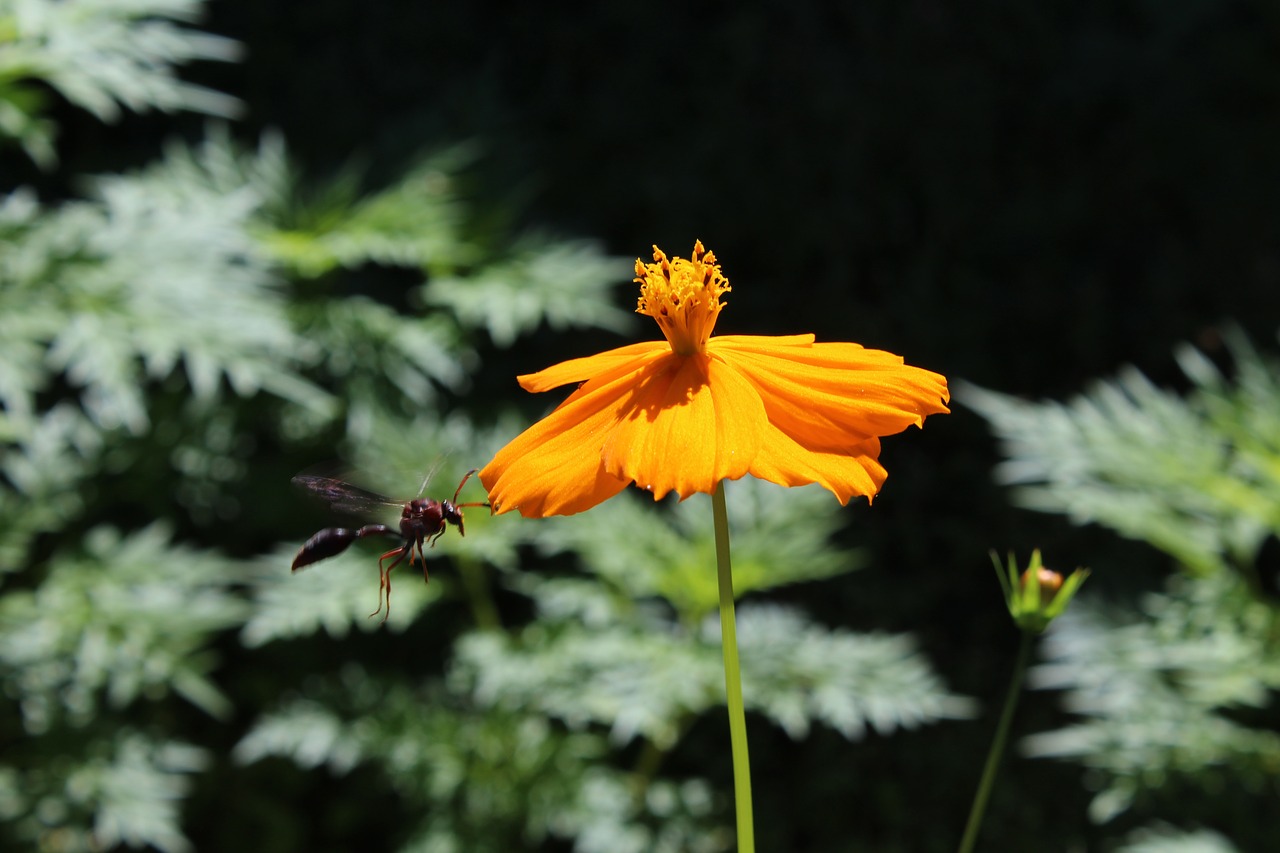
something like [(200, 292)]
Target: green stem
[(483, 609), (997, 746), (647, 765), (733, 677)]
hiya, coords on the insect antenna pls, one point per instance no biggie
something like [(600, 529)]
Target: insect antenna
[(458, 491), (431, 473)]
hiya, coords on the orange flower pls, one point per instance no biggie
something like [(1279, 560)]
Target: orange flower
[(684, 414)]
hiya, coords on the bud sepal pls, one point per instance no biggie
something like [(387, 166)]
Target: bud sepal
[(1038, 595)]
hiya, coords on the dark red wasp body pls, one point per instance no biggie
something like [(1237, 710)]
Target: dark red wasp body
[(421, 520)]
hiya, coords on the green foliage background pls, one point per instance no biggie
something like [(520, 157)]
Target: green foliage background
[(241, 239)]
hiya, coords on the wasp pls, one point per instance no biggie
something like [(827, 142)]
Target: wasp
[(422, 520)]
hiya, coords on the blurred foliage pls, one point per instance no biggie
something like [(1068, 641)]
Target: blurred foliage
[(602, 667), (105, 56), (1181, 692), (175, 342), (1197, 477), (1166, 839), (184, 331)]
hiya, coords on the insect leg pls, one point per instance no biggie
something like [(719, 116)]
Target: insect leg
[(384, 575), (421, 556)]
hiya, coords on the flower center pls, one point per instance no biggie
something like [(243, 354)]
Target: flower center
[(683, 296)]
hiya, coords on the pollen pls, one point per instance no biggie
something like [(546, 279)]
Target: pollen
[(683, 296)]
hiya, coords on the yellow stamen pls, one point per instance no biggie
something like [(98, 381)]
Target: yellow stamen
[(683, 296)]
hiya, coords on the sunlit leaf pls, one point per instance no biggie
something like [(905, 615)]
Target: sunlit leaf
[(125, 617)]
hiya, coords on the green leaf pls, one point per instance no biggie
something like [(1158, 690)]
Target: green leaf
[(123, 619), (44, 461), (798, 673), (634, 680), (136, 794), (643, 678), (485, 779), (780, 537), (333, 596), (415, 222), (565, 284), (103, 55), (365, 344), (308, 733), (126, 788), (1167, 839), (1158, 694), (158, 271), (1197, 477)]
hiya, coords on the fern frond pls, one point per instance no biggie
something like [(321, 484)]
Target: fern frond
[(481, 777), (631, 681), (365, 344), (158, 270), (1158, 694), (104, 55), (781, 536), (799, 673), (120, 789), (1197, 477), (416, 222), (1167, 839), (333, 596), (309, 733), (640, 679), (44, 461), (125, 617), (565, 284)]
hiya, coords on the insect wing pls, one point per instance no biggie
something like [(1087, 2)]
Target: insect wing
[(342, 496)]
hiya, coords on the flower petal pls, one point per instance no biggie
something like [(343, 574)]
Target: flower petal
[(590, 367), (845, 471), (763, 342), (693, 422), (555, 467), (824, 395)]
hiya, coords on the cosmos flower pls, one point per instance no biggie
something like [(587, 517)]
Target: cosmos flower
[(682, 414)]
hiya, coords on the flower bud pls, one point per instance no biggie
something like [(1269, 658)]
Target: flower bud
[(1038, 595), (1049, 580)]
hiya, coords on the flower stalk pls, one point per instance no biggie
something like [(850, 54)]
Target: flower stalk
[(733, 677), (1034, 597), (997, 745)]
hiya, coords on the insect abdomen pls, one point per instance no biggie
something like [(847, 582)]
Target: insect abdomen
[(323, 545)]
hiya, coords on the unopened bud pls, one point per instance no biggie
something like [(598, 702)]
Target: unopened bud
[(1038, 595), (1049, 581)]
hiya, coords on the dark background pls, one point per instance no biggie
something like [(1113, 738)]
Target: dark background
[(1022, 196)]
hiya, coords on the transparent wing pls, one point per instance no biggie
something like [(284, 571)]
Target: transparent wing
[(341, 496)]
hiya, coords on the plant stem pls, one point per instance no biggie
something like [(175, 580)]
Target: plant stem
[(483, 609), (997, 745), (733, 677)]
